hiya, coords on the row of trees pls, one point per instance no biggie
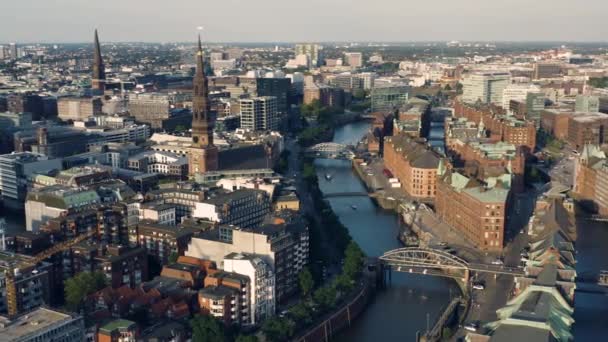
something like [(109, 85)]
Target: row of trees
[(315, 304)]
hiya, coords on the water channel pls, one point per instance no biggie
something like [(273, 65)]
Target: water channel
[(398, 313), (403, 309)]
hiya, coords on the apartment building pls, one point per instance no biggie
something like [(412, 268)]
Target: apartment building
[(486, 87), (43, 324), (78, 108), (260, 114), (244, 208)]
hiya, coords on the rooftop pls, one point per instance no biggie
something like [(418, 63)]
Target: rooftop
[(37, 320), (119, 324)]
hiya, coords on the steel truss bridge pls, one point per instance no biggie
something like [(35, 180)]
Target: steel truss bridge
[(331, 150), (440, 263)]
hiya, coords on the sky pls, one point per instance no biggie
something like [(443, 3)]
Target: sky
[(61, 21)]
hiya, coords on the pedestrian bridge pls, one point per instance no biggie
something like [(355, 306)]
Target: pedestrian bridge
[(437, 262), (331, 150), (347, 194)]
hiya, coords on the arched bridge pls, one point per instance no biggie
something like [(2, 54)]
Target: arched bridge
[(331, 150), (438, 262)]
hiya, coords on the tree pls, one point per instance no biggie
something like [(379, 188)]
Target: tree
[(80, 286), (246, 338), (301, 314), (448, 87), (205, 328), (325, 297), (278, 329), (353, 260), (306, 282)]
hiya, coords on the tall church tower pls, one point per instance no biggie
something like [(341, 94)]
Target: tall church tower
[(203, 154), (98, 81)]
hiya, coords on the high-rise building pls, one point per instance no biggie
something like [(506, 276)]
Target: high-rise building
[(313, 51), (389, 97), (15, 169), (486, 87), (354, 59), (98, 80), (260, 113), (203, 155), (277, 87), (12, 50)]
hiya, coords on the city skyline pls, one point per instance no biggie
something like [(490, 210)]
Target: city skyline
[(273, 21)]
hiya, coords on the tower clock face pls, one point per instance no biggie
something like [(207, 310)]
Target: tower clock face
[(195, 139)]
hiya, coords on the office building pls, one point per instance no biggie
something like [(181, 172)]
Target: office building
[(260, 114), (353, 59), (546, 70), (43, 324), (314, 52), (518, 92), (585, 103), (244, 208), (15, 171), (78, 108), (203, 156), (277, 87), (389, 98), (53, 201), (487, 87)]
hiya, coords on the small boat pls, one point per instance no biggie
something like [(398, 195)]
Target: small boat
[(328, 176), (354, 207)]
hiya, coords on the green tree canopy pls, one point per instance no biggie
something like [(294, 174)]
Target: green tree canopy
[(246, 338), (81, 285), (306, 282), (205, 328), (278, 329)]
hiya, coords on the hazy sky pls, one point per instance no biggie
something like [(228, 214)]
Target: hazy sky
[(303, 20)]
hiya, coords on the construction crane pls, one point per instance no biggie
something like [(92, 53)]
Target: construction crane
[(11, 285)]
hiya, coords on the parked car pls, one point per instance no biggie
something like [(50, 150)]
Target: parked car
[(478, 286), (471, 326)]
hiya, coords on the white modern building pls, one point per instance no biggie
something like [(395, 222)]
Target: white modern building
[(53, 201), (260, 113), (262, 282), (517, 92), (16, 168), (486, 87)]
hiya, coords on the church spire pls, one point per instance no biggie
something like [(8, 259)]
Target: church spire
[(99, 74), (202, 125)]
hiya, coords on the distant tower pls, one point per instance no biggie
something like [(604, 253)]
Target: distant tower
[(203, 155), (98, 81)]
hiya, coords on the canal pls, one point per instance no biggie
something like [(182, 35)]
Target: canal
[(399, 312)]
